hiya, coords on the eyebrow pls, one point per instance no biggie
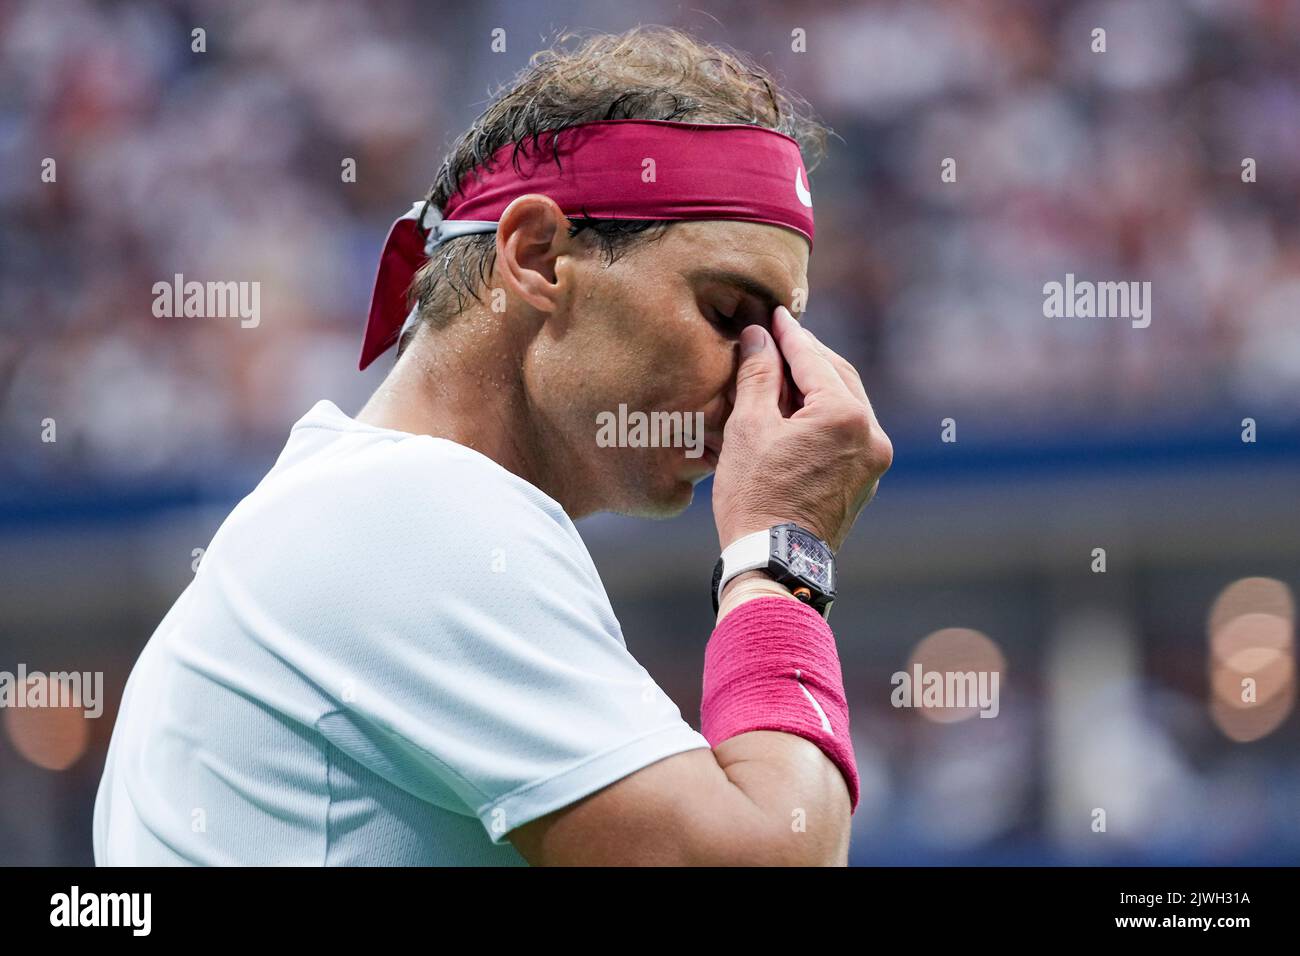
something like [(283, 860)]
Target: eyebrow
[(740, 280)]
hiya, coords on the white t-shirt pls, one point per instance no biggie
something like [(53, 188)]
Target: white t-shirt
[(394, 652)]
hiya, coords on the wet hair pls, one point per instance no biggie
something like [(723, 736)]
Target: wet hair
[(648, 72)]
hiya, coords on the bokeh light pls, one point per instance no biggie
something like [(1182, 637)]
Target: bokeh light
[(53, 738), (1252, 658), (956, 650)]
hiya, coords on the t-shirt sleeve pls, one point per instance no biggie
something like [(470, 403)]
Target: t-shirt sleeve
[(486, 662)]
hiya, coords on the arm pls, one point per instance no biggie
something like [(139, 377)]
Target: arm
[(762, 797), (731, 806), (759, 799)]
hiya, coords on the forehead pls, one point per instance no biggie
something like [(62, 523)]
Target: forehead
[(772, 258)]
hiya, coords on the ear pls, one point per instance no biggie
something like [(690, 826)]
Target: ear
[(532, 236)]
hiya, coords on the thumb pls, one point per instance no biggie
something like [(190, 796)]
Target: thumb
[(758, 379)]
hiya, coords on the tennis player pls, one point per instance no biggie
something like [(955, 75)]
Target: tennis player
[(397, 650)]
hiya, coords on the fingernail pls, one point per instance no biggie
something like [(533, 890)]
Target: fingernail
[(752, 340)]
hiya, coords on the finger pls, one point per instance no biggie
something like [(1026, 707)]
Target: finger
[(758, 378), (812, 372), (843, 367)]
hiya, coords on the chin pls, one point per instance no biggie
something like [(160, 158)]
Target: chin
[(666, 500), (662, 485)]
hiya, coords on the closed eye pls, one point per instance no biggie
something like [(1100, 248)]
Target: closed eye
[(728, 323)]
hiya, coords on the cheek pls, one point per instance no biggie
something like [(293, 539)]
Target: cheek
[(689, 359), (650, 347)]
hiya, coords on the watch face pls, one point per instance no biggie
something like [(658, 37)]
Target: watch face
[(809, 558)]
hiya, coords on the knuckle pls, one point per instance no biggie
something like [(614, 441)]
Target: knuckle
[(882, 451), (753, 373), (853, 419)]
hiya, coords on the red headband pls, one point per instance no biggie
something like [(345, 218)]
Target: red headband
[(699, 171)]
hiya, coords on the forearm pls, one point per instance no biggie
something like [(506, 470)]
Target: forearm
[(800, 795)]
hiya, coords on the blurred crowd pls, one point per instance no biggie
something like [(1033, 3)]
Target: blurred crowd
[(127, 159), (226, 165)]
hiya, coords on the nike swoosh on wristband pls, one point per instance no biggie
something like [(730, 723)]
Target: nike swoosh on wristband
[(826, 724)]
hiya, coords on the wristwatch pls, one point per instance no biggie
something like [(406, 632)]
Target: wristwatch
[(793, 556)]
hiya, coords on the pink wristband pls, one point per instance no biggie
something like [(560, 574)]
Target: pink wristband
[(771, 664)]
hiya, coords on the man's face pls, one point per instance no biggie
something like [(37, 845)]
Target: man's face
[(656, 331)]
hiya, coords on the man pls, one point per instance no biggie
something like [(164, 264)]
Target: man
[(397, 650)]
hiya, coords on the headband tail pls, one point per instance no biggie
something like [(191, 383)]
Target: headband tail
[(402, 257)]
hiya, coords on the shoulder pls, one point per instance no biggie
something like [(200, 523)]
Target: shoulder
[(454, 504), (383, 481), (405, 524)]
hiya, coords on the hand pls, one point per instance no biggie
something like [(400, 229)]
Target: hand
[(818, 466)]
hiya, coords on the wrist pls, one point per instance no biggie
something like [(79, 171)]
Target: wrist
[(796, 563), (739, 528), (746, 587)]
